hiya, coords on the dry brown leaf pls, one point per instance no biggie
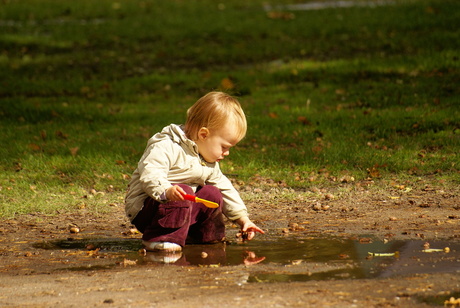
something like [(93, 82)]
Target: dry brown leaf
[(74, 151), (373, 172), (280, 15), (61, 135), (227, 84), (34, 147), (303, 120)]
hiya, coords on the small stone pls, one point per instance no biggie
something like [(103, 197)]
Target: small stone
[(204, 255), (74, 229), (347, 179), (317, 206), (133, 231)]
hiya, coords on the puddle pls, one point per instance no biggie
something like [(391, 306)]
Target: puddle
[(114, 245), (280, 259)]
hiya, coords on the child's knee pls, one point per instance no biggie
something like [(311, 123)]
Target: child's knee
[(211, 193), (210, 189)]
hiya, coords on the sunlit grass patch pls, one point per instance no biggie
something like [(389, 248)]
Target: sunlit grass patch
[(367, 92)]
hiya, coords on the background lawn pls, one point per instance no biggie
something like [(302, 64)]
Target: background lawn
[(364, 92)]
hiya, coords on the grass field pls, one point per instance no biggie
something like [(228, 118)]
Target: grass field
[(363, 91)]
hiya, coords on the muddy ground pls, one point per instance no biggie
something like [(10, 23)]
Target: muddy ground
[(34, 273)]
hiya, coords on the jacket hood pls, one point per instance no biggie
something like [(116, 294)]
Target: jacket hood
[(175, 133)]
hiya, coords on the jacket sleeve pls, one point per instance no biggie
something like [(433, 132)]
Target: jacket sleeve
[(153, 169), (234, 207)]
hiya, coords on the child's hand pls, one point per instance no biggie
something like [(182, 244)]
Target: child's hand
[(248, 227), (174, 193)]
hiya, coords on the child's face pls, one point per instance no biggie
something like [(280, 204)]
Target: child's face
[(214, 146)]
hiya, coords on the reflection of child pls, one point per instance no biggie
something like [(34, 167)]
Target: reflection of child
[(184, 159)]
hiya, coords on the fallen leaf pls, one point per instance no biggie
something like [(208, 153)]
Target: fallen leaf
[(61, 135), (373, 172), (34, 147), (303, 120), (127, 262), (280, 15), (74, 151), (227, 84)]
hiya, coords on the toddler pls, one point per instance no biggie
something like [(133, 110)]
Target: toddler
[(184, 159)]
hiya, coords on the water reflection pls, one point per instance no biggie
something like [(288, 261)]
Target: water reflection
[(207, 255), (289, 259)]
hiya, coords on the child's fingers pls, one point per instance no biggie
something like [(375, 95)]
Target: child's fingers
[(259, 230), (179, 192), (253, 229), (252, 233), (179, 189)]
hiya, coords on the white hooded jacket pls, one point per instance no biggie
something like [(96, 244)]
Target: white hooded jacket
[(171, 158)]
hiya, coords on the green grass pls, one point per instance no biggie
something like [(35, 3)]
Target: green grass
[(361, 91)]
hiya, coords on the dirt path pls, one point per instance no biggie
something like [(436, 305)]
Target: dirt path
[(32, 274)]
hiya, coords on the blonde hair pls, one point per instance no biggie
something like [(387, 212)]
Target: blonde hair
[(213, 111)]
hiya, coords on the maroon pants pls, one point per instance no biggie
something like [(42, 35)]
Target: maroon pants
[(183, 221)]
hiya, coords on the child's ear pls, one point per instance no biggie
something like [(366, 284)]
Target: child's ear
[(203, 133)]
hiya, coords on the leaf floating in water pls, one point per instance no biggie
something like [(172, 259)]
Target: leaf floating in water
[(127, 262), (385, 254), (452, 301), (429, 250)]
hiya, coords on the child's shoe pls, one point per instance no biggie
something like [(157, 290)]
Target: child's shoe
[(162, 246)]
